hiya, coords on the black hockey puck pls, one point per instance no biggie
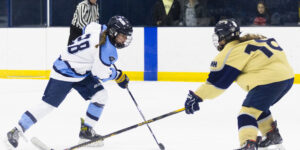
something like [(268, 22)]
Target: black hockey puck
[(161, 146)]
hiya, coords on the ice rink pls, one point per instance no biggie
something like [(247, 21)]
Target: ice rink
[(214, 127)]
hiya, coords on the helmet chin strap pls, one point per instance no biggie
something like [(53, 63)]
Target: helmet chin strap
[(220, 48), (115, 43), (119, 45)]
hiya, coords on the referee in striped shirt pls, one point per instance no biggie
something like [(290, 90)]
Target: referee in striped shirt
[(86, 12)]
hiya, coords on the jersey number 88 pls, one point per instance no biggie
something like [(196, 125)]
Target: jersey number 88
[(81, 46)]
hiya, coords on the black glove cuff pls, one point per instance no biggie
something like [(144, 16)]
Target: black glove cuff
[(198, 99)]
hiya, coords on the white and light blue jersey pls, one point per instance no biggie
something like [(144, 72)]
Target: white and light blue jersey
[(82, 58)]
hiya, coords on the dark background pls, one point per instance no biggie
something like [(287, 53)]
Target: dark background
[(32, 13)]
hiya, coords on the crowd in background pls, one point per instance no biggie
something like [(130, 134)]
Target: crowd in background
[(189, 13), (207, 13)]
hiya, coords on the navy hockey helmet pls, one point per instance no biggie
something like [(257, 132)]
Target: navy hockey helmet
[(225, 29), (116, 25)]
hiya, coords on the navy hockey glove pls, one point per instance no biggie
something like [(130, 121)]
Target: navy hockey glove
[(122, 79), (192, 103)]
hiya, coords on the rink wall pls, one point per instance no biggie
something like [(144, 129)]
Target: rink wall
[(162, 54)]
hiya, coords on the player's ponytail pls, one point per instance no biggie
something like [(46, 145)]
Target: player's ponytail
[(102, 39), (248, 37)]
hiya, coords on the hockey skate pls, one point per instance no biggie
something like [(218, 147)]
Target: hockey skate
[(272, 140), (249, 145), (87, 134), (13, 136)]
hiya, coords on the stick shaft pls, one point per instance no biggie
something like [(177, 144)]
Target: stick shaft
[(126, 129), (140, 111)]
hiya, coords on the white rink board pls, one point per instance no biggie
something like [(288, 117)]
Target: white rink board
[(179, 49)]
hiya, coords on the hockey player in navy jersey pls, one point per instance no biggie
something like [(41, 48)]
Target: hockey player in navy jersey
[(260, 67), (80, 66)]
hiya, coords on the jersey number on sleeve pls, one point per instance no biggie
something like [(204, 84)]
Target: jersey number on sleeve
[(263, 49), (81, 46)]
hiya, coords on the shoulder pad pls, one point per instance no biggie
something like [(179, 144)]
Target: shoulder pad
[(108, 53)]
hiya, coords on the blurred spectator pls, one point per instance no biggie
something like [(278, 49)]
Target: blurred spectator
[(262, 18), (299, 13), (194, 13), (166, 13), (86, 12), (276, 19)]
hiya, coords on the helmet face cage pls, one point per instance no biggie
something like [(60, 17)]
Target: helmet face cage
[(117, 25), (215, 39)]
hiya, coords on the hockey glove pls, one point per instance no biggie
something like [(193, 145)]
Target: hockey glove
[(192, 103), (122, 79)]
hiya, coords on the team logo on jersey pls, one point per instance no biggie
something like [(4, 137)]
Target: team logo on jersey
[(214, 64)]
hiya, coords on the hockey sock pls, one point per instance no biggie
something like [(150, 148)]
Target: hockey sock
[(34, 114), (26, 121), (247, 124), (265, 121), (93, 113)]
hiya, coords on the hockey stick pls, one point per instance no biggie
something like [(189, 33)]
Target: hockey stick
[(160, 145), (126, 129), (39, 144)]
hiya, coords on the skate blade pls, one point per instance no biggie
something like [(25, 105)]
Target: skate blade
[(99, 143), (273, 147)]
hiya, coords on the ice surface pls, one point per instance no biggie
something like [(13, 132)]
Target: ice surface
[(214, 127)]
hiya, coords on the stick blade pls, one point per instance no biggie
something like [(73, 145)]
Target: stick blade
[(39, 144)]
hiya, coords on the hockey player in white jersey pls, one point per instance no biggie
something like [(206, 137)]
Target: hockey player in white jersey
[(80, 66)]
